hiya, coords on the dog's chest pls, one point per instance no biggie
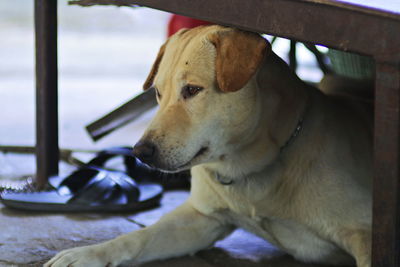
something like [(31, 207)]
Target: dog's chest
[(290, 236), (274, 223), (249, 207)]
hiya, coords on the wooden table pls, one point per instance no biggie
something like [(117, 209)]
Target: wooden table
[(372, 29)]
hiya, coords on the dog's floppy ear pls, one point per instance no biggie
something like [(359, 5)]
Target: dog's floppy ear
[(239, 54), (150, 79)]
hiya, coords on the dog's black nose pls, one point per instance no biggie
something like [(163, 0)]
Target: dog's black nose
[(145, 151)]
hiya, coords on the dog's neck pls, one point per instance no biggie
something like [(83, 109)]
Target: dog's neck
[(283, 101), (275, 78), (229, 180)]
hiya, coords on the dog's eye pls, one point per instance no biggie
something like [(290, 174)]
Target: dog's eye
[(190, 90)]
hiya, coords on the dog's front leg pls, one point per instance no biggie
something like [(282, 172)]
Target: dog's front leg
[(183, 231)]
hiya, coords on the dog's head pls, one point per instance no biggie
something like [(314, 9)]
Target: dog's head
[(204, 84)]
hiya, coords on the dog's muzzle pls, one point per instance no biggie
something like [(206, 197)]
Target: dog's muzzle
[(146, 151)]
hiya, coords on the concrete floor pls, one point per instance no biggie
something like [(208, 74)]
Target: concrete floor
[(30, 239)]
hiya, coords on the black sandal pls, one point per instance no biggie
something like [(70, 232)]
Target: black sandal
[(89, 189)]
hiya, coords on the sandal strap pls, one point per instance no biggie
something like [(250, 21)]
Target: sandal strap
[(105, 187), (80, 178), (126, 186), (94, 191), (130, 161)]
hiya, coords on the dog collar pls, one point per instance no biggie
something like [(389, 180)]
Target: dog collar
[(298, 128), (295, 133)]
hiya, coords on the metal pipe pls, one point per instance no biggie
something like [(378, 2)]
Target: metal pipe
[(47, 151)]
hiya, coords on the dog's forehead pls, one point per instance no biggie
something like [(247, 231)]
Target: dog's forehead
[(187, 43), (188, 52)]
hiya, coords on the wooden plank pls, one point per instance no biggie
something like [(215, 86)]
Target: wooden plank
[(47, 151), (325, 22), (387, 8), (386, 207)]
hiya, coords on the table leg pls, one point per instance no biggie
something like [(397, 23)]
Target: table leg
[(386, 207), (47, 151)]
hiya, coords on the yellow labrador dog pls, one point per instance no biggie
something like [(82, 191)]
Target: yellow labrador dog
[(267, 153)]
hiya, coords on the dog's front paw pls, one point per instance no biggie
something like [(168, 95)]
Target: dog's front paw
[(89, 256)]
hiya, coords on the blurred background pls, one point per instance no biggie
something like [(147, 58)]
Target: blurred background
[(105, 53)]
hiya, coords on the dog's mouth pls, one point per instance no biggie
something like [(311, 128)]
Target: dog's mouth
[(199, 153)]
